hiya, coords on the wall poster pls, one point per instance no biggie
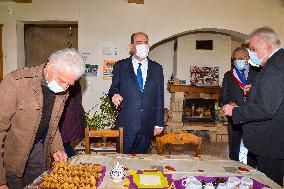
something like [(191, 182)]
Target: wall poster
[(204, 76)]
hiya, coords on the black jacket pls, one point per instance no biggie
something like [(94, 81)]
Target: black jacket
[(231, 92), (263, 112)]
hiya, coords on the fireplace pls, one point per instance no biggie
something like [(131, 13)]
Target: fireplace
[(198, 110), (179, 121)]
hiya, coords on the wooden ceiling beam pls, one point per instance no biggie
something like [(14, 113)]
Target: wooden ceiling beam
[(24, 1), (136, 1)]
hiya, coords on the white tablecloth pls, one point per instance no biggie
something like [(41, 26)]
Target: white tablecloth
[(185, 165)]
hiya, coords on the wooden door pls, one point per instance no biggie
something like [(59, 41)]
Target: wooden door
[(1, 54)]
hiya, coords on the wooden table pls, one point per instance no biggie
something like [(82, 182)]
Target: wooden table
[(185, 165)]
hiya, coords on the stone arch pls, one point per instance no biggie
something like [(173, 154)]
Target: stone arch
[(238, 36)]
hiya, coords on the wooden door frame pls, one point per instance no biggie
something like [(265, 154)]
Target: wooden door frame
[(1, 54)]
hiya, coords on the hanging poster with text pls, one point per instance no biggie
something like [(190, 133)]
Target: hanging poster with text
[(85, 57), (107, 69), (109, 49)]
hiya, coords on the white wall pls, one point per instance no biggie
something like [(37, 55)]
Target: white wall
[(187, 55), (115, 20), (235, 44), (164, 55)]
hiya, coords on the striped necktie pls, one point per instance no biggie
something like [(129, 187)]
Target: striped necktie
[(139, 77), (243, 73)]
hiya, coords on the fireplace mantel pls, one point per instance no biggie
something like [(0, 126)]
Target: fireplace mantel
[(194, 89), (181, 92)]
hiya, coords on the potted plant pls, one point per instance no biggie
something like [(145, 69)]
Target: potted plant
[(104, 118)]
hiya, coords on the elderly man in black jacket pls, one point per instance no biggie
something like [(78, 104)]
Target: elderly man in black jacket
[(263, 113), (236, 82)]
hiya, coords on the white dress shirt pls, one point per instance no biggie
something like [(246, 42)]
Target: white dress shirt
[(144, 68)]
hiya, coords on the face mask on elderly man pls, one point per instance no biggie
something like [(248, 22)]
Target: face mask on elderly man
[(240, 64), (142, 50), (55, 87), (254, 59)]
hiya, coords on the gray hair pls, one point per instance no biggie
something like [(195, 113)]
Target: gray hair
[(68, 58), (242, 49), (266, 34)]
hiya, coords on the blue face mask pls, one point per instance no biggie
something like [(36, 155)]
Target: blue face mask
[(254, 58), (53, 86), (240, 64)]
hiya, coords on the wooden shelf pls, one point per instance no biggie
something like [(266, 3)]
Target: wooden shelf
[(194, 89)]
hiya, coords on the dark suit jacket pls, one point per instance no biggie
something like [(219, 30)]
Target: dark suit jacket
[(263, 112), (72, 122), (231, 90), (139, 110)]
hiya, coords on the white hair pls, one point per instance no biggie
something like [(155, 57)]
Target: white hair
[(68, 58), (266, 34)]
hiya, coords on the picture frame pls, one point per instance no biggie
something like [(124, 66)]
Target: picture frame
[(204, 76)]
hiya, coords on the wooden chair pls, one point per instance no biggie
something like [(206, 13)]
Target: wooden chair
[(103, 133), (178, 138)]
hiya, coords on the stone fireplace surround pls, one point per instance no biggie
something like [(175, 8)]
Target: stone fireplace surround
[(217, 131)]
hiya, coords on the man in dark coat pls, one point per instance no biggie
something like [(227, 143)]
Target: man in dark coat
[(137, 90), (263, 113), (72, 122), (235, 83)]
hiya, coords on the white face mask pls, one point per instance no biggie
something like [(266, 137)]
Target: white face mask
[(53, 86), (142, 50)]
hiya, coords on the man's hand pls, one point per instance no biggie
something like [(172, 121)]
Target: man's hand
[(117, 99), (233, 103), (4, 187), (158, 131), (228, 109), (60, 156), (246, 89)]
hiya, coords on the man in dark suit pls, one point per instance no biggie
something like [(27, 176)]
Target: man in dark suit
[(137, 90), (236, 84), (263, 113)]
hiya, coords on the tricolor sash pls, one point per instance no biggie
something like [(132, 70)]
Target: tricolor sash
[(241, 80)]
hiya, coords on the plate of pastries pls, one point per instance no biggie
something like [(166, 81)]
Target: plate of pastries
[(67, 176)]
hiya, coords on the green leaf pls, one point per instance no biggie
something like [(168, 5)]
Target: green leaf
[(106, 118)]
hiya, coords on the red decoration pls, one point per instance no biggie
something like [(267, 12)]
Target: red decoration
[(243, 169), (170, 168)]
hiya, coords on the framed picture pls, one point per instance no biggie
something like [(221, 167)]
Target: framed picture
[(91, 70), (204, 76)]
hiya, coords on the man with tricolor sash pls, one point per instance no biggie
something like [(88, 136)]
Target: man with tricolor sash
[(235, 88)]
